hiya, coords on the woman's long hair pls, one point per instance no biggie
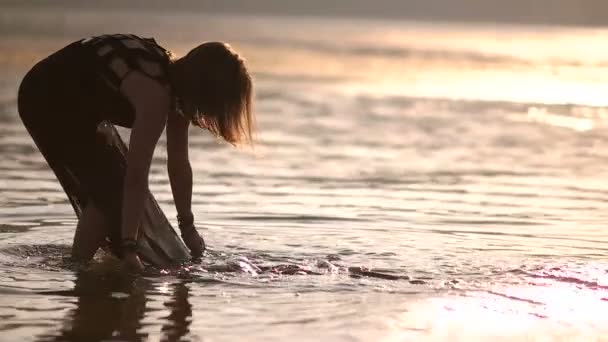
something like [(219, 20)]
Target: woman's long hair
[(219, 85)]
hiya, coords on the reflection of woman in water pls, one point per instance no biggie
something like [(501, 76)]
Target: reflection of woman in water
[(131, 82), (99, 315)]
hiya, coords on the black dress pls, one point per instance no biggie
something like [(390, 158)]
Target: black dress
[(69, 103)]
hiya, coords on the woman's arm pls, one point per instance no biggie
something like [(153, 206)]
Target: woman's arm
[(178, 164), (151, 103), (180, 177)]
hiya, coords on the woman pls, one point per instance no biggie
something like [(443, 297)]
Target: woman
[(65, 99)]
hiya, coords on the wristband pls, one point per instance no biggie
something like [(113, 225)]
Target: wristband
[(185, 220)]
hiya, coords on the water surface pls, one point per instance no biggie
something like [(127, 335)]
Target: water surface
[(413, 181)]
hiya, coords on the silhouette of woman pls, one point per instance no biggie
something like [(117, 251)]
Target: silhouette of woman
[(126, 80)]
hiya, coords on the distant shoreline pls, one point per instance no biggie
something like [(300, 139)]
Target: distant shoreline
[(543, 12)]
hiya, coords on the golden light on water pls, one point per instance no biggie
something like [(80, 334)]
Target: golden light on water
[(467, 83), (542, 116), (539, 66), (563, 313), (558, 305)]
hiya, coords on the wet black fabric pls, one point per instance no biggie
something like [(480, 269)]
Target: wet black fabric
[(66, 106)]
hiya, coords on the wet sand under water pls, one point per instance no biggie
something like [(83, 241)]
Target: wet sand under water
[(413, 182)]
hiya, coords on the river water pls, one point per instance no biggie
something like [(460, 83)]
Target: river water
[(412, 182)]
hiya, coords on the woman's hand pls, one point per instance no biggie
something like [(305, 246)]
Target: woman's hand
[(132, 264), (193, 240)]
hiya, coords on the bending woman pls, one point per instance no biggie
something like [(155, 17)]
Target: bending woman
[(66, 99)]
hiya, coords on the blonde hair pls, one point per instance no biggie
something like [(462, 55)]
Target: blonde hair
[(221, 87)]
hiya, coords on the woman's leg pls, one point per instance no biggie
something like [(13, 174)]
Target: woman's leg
[(91, 233), (68, 148)]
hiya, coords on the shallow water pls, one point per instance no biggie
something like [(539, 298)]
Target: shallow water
[(412, 182)]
